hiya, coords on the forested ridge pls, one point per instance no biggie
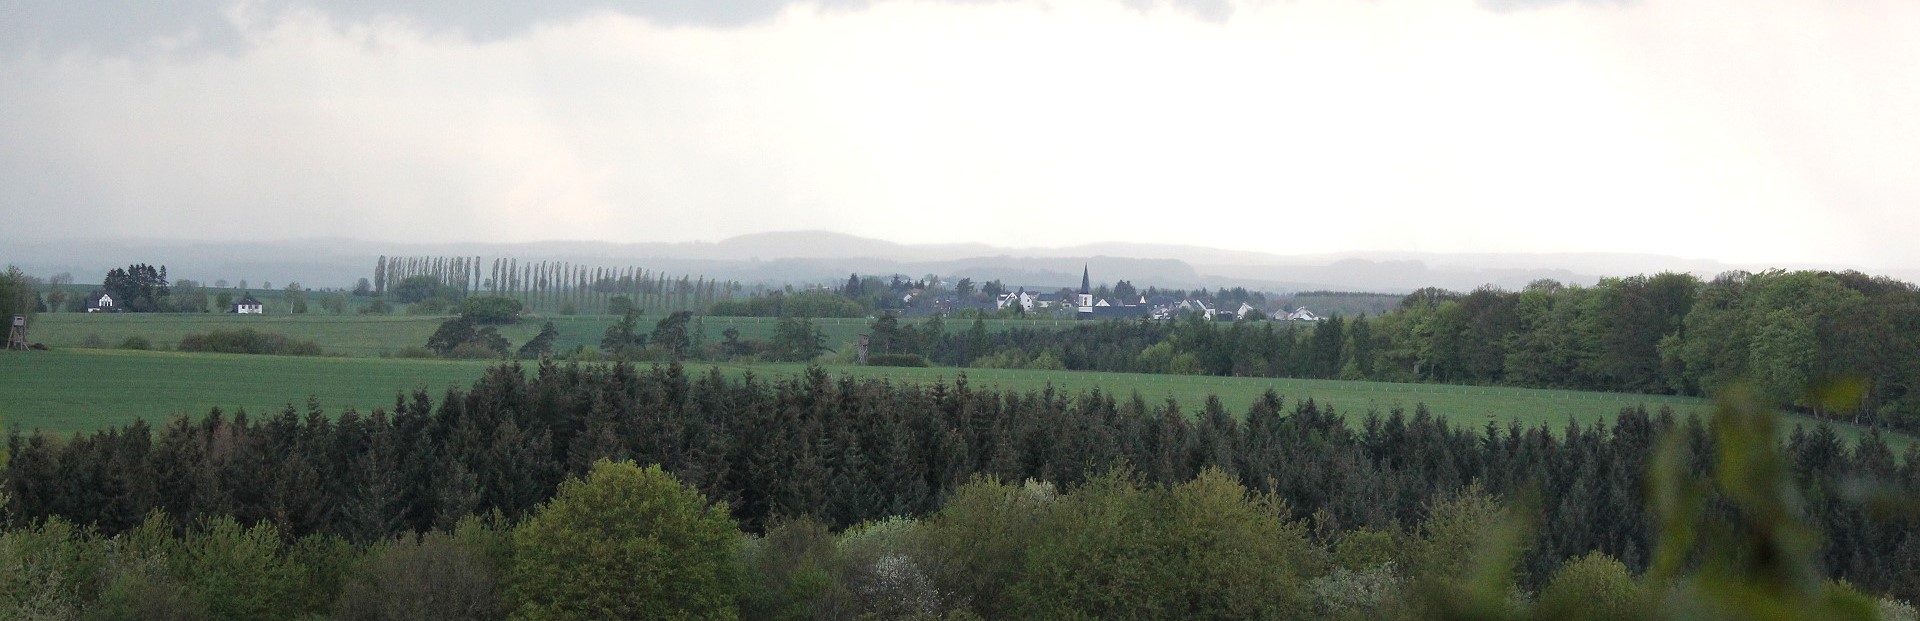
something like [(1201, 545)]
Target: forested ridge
[(849, 451), (1791, 335)]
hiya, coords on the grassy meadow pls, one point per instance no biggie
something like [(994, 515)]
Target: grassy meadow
[(82, 389), (375, 335)]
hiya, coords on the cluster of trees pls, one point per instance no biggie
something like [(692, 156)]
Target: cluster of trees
[(813, 304), (549, 286), (248, 341), (19, 295), (1797, 335), (138, 288), (680, 336), (626, 542), (1791, 333), (849, 452)]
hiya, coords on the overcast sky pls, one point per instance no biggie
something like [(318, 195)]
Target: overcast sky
[(1770, 131)]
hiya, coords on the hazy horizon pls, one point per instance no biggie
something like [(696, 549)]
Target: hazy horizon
[(1739, 132)]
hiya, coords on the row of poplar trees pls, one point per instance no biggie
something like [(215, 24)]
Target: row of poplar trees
[(555, 286)]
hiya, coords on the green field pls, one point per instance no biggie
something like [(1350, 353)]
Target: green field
[(374, 335), (83, 389)]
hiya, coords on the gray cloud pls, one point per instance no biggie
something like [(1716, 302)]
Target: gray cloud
[(54, 26), (128, 27)]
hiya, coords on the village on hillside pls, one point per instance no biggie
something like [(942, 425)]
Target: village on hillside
[(1119, 302)]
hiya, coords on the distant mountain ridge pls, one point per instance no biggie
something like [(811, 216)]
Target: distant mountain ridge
[(799, 257)]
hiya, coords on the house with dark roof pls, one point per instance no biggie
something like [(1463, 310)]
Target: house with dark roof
[(1089, 308), (248, 306)]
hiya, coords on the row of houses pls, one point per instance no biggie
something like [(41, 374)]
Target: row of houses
[(1086, 306), (102, 302)]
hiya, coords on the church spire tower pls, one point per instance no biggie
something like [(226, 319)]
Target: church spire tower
[(1085, 301)]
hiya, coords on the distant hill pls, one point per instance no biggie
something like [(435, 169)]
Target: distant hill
[(800, 257)]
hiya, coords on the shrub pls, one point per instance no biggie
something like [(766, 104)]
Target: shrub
[(1363, 593), (136, 342), (625, 543), (429, 306), (47, 571), (239, 572), (975, 546), (433, 576), (787, 571), (1595, 587), (414, 351), (248, 341), (897, 360), (473, 350), (1206, 548), (491, 310)]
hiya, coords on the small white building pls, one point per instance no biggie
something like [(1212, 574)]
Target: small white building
[(101, 302), (249, 306), (1302, 315)]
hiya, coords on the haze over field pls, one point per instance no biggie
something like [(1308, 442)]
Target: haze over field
[(803, 257), (1744, 132)]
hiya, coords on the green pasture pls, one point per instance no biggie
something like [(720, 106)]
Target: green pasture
[(83, 389), (374, 335)]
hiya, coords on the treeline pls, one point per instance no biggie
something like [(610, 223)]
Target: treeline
[(550, 286), (248, 341), (1795, 335), (624, 542), (848, 452)]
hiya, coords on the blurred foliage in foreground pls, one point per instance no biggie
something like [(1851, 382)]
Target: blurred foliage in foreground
[(1732, 544)]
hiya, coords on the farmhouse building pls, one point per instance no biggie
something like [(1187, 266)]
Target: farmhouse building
[(102, 302), (249, 306)]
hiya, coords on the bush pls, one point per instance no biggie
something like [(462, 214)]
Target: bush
[(240, 573), (1206, 549), (815, 304), (429, 306), (414, 352), (47, 571), (376, 307), (434, 576), (625, 543), (136, 342), (473, 350), (787, 571), (1594, 587), (897, 360), (491, 310), (975, 546), (413, 289), (248, 341)]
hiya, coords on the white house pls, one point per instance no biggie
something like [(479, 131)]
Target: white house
[(1021, 297), (249, 306), (101, 302), (1302, 315)]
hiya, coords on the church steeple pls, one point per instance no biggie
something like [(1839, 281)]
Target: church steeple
[(1084, 303)]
